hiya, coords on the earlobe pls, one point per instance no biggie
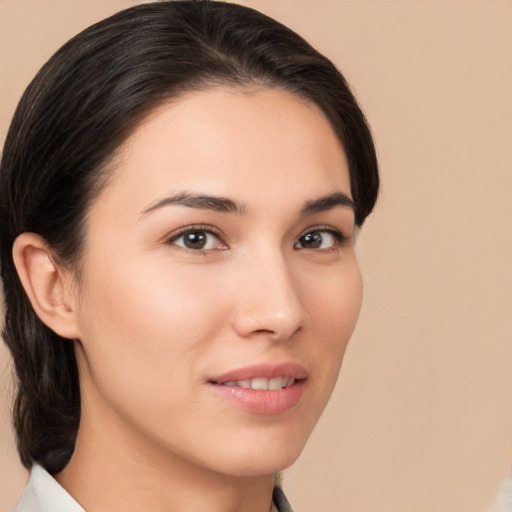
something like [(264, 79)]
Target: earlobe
[(45, 284)]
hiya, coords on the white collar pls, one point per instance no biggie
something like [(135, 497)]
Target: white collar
[(44, 494)]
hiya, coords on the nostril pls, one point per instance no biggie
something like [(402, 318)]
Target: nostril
[(276, 316), (278, 334)]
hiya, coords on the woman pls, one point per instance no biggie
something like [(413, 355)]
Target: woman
[(180, 188)]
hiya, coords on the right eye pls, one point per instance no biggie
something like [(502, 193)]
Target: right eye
[(320, 239), (198, 239)]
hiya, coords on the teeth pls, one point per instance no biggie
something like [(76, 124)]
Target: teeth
[(259, 384), (262, 383), (276, 383)]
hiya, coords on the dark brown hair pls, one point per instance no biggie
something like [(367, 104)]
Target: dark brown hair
[(81, 106)]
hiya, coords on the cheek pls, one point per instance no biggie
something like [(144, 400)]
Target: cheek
[(147, 300), (146, 324), (334, 309), (334, 302)]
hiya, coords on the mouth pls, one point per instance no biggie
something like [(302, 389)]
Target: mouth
[(263, 376), (261, 383), (263, 389)]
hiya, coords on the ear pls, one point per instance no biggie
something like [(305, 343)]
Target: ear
[(48, 287)]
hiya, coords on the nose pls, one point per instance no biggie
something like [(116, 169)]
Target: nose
[(268, 299)]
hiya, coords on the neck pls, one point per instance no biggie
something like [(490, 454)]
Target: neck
[(113, 470)]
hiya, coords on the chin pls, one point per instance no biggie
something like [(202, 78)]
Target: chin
[(263, 449), (266, 457), (267, 466)]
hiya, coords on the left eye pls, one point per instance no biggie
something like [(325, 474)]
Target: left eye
[(198, 240), (319, 239)]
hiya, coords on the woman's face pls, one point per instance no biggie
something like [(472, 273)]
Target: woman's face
[(220, 285)]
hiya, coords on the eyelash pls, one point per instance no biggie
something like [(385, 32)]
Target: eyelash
[(199, 228), (340, 239)]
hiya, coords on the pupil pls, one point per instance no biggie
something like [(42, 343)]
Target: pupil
[(312, 240), (195, 240)]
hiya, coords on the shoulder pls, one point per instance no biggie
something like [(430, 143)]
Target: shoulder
[(44, 494), (503, 501)]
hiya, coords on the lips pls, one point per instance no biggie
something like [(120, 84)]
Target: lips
[(263, 371), (263, 389)]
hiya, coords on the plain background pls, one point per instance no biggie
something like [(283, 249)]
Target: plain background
[(422, 415)]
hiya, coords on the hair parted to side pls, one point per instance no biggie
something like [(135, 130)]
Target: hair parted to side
[(79, 109)]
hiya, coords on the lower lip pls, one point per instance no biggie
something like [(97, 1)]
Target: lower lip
[(263, 401)]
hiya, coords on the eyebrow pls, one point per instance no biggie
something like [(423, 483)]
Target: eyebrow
[(225, 205), (201, 201), (328, 202)]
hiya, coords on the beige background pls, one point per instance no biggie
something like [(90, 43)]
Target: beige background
[(422, 417)]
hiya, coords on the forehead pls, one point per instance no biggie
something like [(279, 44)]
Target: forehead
[(233, 142)]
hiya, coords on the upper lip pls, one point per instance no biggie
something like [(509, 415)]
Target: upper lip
[(267, 371)]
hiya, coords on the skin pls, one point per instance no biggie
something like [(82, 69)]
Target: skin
[(154, 321)]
